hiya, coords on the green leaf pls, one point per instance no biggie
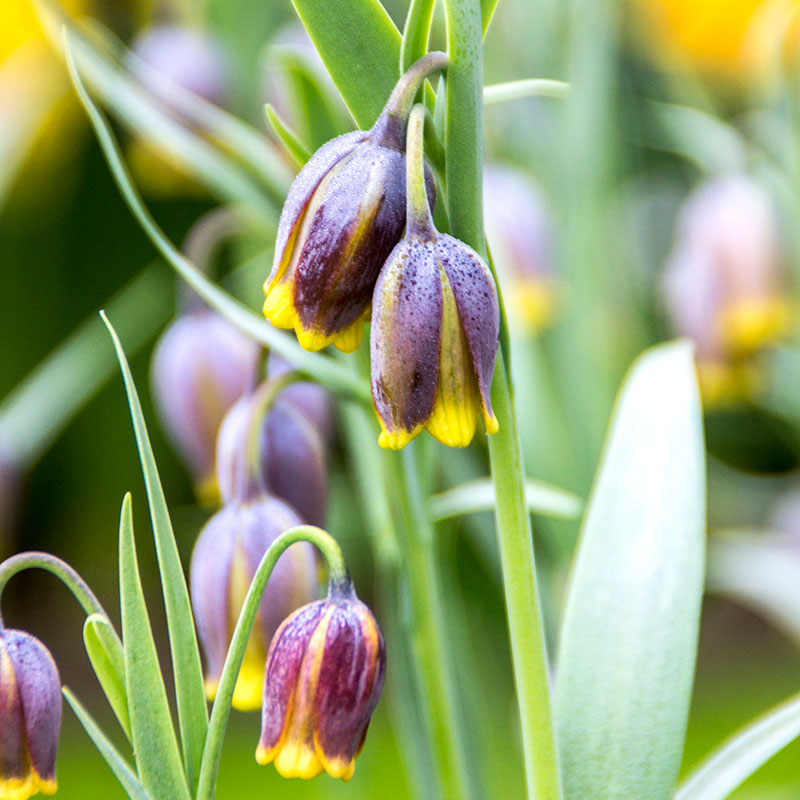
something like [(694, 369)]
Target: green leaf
[(153, 737), (529, 87), (745, 752), (416, 32), (192, 709), (479, 495), (118, 764), (360, 46), (291, 142), (108, 661), (629, 637), (487, 13)]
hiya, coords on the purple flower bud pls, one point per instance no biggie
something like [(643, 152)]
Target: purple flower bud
[(343, 215), (225, 558), (324, 675), (192, 59), (201, 366), (30, 716), (310, 398)]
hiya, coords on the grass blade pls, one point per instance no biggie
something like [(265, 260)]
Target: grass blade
[(118, 764), (291, 142), (157, 756), (192, 709), (629, 637), (108, 661), (746, 751)]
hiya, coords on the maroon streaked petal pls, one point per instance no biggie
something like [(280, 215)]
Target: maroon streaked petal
[(40, 697), (404, 340), (352, 234), (12, 741), (476, 298), (284, 660), (306, 182), (209, 579), (350, 680)]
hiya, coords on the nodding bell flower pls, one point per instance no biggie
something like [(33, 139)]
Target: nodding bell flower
[(201, 366), (290, 457), (225, 558), (30, 716), (343, 215), (324, 676), (723, 285), (434, 330)]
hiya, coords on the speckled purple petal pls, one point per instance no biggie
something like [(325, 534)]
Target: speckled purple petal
[(306, 182), (476, 300), (284, 660), (350, 680), (13, 763), (293, 461), (404, 340), (39, 688), (210, 580), (360, 219)]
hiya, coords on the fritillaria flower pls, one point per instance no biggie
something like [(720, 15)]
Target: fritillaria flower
[(324, 675), (434, 330), (344, 213), (30, 716)]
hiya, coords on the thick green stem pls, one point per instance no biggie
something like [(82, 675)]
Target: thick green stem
[(418, 213), (337, 573), (63, 571), (464, 144)]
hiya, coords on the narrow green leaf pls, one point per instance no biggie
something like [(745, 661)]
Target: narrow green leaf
[(108, 661), (360, 46), (291, 142), (416, 32), (152, 734), (479, 495), (118, 764), (192, 709), (745, 752), (528, 87), (629, 637), (488, 8)]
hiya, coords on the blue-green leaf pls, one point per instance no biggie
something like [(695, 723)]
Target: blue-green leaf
[(152, 734), (744, 753), (118, 764), (108, 661), (192, 709), (360, 46), (629, 637)]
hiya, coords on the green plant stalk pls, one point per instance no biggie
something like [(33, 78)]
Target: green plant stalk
[(464, 144), (337, 572)]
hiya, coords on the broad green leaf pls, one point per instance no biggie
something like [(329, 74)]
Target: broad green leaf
[(192, 709), (360, 46), (745, 752), (479, 495), (629, 636), (108, 661), (152, 735), (118, 764), (291, 142)]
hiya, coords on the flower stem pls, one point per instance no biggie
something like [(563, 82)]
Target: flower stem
[(337, 574), (418, 212), (464, 144)]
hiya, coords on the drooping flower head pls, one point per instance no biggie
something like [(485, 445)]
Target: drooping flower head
[(324, 675), (30, 716), (435, 328), (225, 558), (345, 212)]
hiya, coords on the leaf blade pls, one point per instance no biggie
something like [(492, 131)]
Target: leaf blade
[(629, 637), (108, 661)]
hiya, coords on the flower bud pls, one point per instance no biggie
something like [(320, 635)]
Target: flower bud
[(201, 366), (225, 558), (30, 716), (343, 215), (310, 398), (519, 232), (324, 676)]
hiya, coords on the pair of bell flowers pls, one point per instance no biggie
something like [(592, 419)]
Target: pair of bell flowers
[(356, 241)]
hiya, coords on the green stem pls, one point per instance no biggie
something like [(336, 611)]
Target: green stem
[(337, 573), (63, 571), (418, 213), (429, 632), (464, 144)]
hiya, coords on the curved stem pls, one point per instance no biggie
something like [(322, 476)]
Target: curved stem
[(337, 575), (418, 212), (63, 571)]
